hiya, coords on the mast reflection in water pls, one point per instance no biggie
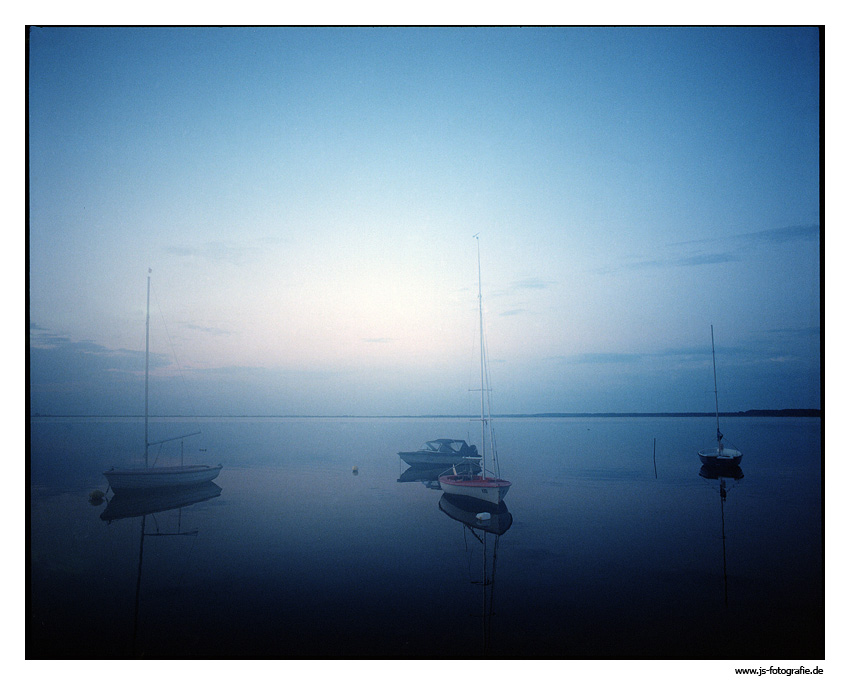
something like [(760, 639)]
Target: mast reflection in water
[(145, 503), (486, 523), (723, 474)]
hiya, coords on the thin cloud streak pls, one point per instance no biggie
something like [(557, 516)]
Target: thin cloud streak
[(699, 353), (781, 235), (786, 235), (208, 329), (693, 260), (602, 358), (66, 351), (743, 241), (531, 284), (223, 252), (702, 259)]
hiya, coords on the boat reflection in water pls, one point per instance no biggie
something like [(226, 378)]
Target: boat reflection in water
[(429, 475), (132, 503), (144, 503), (486, 523), (723, 474), (476, 514)]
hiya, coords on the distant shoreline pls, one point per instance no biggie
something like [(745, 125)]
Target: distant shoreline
[(750, 413)]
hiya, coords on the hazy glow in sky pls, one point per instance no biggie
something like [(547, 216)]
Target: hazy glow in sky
[(307, 199)]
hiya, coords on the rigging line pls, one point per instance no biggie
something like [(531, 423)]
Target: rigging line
[(486, 388), (467, 554), (493, 450), (470, 384), (489, 389), (158, 454), (174, 356)]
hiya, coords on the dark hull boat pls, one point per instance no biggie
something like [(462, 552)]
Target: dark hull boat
[(442, 452), (720, 456)]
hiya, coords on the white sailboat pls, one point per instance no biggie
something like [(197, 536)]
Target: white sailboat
[(156, 477), (487, 486), (720, 455)]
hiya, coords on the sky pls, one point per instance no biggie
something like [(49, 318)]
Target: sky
[(306, 201)]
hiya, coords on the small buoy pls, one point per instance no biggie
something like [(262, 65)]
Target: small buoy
[(96, 497), (483, 516), (354, 470)]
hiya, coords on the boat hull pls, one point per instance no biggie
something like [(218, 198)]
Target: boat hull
[(121, 480), (722, 457), (492, 490), (425, 458), (715, 472), (135, 503)]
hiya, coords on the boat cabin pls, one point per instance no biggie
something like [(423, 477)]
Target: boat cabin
[(446, 446)]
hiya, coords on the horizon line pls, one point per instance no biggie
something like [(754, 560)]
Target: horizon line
[(810, 412)]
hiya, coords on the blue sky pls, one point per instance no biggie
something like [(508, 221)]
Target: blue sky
[(307, 199)]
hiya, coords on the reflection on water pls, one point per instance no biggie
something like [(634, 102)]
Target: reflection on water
[(132, 504), (296, 558), (476, 514), (146, 504), (484, 523), (422, 474), (429, 475), (722, 474)]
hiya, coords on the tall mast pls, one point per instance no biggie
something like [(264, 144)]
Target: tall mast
[(481, 341), (147, 355), (716, 405)]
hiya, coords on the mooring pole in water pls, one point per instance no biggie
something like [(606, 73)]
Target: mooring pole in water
[(653, 458)]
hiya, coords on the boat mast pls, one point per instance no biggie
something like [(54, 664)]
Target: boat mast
[(481, 342), (716, 405), (147, 355)]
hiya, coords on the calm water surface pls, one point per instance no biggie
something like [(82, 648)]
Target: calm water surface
[(293, 554)]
